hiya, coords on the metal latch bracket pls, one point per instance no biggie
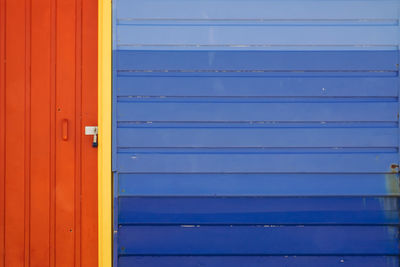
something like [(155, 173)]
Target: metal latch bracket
[(92, 130)]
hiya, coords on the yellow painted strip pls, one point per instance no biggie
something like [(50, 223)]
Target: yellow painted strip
[(104, 149)]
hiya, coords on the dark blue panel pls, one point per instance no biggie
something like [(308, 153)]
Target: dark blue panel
[(278, 184), (256, 137), (256, 111), (131, 85), (258, 210), (258, 261), (258, 240), (234, 162), (208, 61)]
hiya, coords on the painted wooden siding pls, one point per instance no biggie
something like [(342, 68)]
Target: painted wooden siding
[(48, 188)]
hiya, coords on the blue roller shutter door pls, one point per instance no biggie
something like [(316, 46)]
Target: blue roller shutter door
[(256, 133)]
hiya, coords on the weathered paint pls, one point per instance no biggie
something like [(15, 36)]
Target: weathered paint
[(48, 74), (392, 180)]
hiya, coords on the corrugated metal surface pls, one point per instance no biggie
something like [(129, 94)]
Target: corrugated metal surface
[(48, 186), (254, 133)]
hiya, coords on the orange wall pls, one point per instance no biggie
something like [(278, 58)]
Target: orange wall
[(48, 186)]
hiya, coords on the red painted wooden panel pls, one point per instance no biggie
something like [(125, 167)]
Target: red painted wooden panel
[(15, 193), (2, 130), (89, 246), (41, 89), (48, 187)]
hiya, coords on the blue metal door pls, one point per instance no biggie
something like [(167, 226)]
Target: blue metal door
[(256, 133)]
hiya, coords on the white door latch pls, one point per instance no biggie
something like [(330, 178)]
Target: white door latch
[(92, 130)]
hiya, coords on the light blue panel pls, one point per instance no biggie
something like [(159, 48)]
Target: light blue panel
[(239, 37), (257, 25), (256, 10)]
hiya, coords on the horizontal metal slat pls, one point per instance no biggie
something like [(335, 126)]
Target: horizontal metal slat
[(258, 261), (258, 240), (258, 210), (258, 10), (285, 37), (256, 61), (257, 86), (242, 112), (256, 137), (229, 162), (278, 184)]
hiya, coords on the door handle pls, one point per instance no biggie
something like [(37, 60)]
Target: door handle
[(64, 129)]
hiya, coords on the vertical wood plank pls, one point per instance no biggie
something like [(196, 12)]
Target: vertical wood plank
[(78, 129), (65, 150), (89, 230), (15, 134), (40, 133), (52, 197), (2, 128), (27, 153)]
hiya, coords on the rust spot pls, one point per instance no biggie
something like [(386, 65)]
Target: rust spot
[(394, 167)]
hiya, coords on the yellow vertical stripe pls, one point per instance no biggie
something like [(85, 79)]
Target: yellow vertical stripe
[(104, 149)]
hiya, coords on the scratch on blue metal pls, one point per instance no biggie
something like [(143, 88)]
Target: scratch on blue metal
[(255, 133)]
